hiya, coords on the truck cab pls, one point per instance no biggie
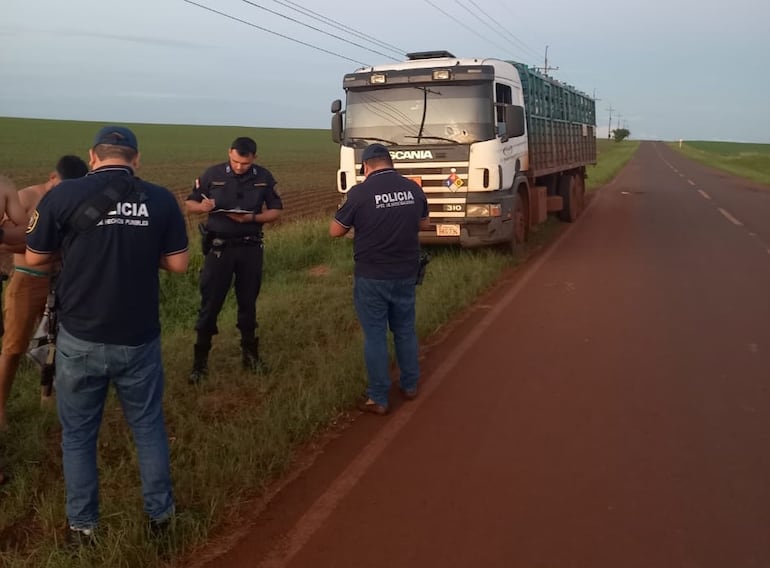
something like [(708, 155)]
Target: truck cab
[(456, 126)]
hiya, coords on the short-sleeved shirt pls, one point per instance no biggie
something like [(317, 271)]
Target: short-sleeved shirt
[(251, 191), (108, 288), (385, 212)]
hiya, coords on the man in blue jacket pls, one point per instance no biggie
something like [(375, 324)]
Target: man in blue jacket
[(387, 212), (112, 232)]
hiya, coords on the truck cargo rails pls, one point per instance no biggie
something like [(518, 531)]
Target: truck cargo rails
[(495, 145)]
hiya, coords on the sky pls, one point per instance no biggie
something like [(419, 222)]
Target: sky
[(668, 69)]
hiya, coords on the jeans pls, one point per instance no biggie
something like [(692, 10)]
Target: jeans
[(381, 304), (83, 373)]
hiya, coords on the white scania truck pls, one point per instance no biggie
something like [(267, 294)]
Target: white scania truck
[(494, 144)]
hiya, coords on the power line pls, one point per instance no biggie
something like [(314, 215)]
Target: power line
[(464, 25), (223, 14), (472, 13), (515, 16), (340, 26), (505, 34), (254, 4)]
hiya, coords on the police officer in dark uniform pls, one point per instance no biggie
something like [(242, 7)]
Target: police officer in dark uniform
[(386, 212), (239, 197)]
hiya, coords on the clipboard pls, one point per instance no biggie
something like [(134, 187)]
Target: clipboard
[(236, 210)]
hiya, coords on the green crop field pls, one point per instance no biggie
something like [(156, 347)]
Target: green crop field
[(171, 156), (236, 433), (751, 161)]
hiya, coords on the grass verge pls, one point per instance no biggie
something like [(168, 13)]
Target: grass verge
[(750, 161), (236, 433)]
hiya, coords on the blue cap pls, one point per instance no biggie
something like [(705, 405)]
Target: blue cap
[(116, 136), (372, 151), (375, 151)]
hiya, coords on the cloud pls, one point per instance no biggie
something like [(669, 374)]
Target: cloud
[(137, 39), (159, 95)]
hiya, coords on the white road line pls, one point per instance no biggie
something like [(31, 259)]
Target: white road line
[(704, 194), (730, 218), (691, 182)]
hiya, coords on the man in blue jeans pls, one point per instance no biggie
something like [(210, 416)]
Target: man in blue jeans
[(386, 211), (113, 232)]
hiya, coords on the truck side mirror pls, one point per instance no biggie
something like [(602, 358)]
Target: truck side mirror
[(337, 121), (337, 128)]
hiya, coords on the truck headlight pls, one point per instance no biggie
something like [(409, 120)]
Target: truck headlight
[(483, 210), (477, 210)]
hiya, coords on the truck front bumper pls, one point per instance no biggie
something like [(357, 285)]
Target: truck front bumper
[(473, 233)]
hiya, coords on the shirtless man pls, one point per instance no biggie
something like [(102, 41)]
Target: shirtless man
[(28, 289), (10, 205)]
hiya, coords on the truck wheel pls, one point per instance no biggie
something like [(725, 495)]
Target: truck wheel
[(580, 187), (571, 199), (520, 224)]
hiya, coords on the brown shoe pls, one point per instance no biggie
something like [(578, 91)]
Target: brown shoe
[(409, 394), (372, 407)]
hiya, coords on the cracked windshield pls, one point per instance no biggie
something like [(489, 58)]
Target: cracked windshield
[(434, 114)]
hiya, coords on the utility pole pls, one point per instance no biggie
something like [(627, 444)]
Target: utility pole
[(609, 126), (545, 69)]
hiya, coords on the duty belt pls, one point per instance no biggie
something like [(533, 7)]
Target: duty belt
[(225, 241)]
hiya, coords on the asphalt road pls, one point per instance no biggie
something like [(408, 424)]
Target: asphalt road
[(608, 406)]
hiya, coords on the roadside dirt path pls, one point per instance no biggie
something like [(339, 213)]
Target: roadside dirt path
[(607, 406)]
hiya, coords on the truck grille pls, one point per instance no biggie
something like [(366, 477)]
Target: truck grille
[(435, 179)]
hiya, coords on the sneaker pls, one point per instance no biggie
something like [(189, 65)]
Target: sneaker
[(81, 536), (372, 407)]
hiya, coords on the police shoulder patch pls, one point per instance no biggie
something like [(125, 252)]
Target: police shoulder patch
[(33, 221)]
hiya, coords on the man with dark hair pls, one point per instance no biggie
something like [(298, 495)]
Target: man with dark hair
[(239, 197), (387, 212), (28, 288), (113, 232)]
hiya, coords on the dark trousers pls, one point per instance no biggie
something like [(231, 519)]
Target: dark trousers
[(219, 267)]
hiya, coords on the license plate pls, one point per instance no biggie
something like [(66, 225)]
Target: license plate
[(415, 179), (448, 230)]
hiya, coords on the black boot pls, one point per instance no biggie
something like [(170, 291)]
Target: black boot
[(200, 364), (250, 356)]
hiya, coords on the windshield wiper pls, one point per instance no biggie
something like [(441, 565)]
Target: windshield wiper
[(362, 138), (434, 138)]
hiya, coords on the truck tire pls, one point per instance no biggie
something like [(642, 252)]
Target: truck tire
[(572, 198), (580, 189)]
